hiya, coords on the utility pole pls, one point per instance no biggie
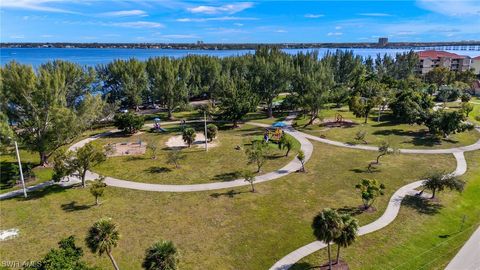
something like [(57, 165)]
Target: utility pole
[(205, 124), (21, 171)]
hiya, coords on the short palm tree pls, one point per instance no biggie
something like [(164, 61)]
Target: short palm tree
[(327, 226), (348, 234), (102, 237), (161, 256)]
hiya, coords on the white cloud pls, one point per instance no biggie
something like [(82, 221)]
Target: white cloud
[(225, 18), (455, 8), (229, 8), (17, 36), (338, 27), (125, 13), (375, 14), (334, 34), (139, 24), (280, 31), (38, 5), (46, 36), (313, 16), (238, 24)]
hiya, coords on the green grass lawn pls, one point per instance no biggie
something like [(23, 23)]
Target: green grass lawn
[(224, 229), (476, 112), (398, 135), (221, 163), (424, 235)]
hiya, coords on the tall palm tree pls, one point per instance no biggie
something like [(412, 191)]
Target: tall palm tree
[(102, 237), (161, 256), (348, 233), (327, 226)]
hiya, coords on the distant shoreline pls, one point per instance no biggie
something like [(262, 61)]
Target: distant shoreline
[(240, 46)]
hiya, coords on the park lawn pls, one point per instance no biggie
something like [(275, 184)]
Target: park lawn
[(423, 236), (10, 178), (221, 163), (224, 229), (398, 135), (177, 115), (475, 113)]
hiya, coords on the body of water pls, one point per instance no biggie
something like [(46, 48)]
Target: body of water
[(91, 57)]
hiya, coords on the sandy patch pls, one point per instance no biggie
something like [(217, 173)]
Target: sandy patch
[(126, 148), (177, 141), (8, 234)]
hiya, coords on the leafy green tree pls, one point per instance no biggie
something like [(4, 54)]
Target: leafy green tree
[(38, 103), (6, 133), (301, 158), (447, 93), (129, 122), (212, 131), (174, 157), (348, 233), (465, 97), (204, 72), (410, 106), (67, 256), (361, 136), (257, 154), (161, 255), (369, 96), (443, 123), (168, 81), (188, 136), (439, 76), (348, 69), (97, 188), (271, 69), (249, 177), (85, 158), (467, 108), (369, 189), (439, 181), (312, 81), (327, 226), (235, 99), (102, 237), (61, 164), (124, 80), (152, 146), (286, 142)]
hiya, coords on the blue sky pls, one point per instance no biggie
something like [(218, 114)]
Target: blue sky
[(236, 21)]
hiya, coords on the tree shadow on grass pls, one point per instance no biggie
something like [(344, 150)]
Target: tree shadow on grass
[(155, 169), (303, 266), (230, 194), (39, 193), (73, 206), (227, 176), (353, 211), (422, 205)]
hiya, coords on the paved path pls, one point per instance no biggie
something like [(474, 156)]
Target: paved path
[(388, 217), (468, 258), (472, 147), (291, 167)]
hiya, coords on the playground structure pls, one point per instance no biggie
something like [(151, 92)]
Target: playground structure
[(126, 148), (273, 134), (338, 121), (156, 126)]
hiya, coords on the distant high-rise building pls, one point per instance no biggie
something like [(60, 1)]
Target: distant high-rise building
[(199, 42), (382, 41)]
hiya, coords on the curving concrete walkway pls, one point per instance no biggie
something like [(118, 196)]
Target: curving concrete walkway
[(472, 147), (388, 217)]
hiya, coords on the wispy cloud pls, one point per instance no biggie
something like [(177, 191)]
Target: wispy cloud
[(334, 34), (454, 8), (375, 14), (38, 5), (225, 18), (46, 36), (138, 24), (314, 16), (229, 8), (17, 36), (125, 13), (280, 31)]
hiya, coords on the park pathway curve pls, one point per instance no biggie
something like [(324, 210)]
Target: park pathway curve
[(388, 217)]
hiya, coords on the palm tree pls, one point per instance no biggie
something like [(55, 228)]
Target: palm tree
[(327, 226), (102, 237), (348, 234), (161, 256)]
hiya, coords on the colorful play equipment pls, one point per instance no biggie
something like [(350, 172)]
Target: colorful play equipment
[(156, 125)]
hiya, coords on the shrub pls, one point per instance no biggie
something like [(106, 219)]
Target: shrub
[(188, 136), (212, 131), (129, 122)]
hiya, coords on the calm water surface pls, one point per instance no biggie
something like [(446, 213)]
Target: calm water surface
[(37, 56)]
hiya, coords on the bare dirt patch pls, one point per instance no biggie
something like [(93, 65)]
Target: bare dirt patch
[(127, 148), (177, 141)]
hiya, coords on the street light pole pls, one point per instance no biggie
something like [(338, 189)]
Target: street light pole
[(205, 124), (21, 171)]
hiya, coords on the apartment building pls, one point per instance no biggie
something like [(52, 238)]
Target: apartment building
[(432, 59), (476, 64)]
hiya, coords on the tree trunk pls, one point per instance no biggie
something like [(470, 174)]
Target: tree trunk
[(235, 124), (288, 151), (378, 158), (433, 193), (270, 109), (43, 159), (113, 260), (96, 200), (366, 118), (169, 111), (338, 254), (83, 178), (329, 257), (253, 188)]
